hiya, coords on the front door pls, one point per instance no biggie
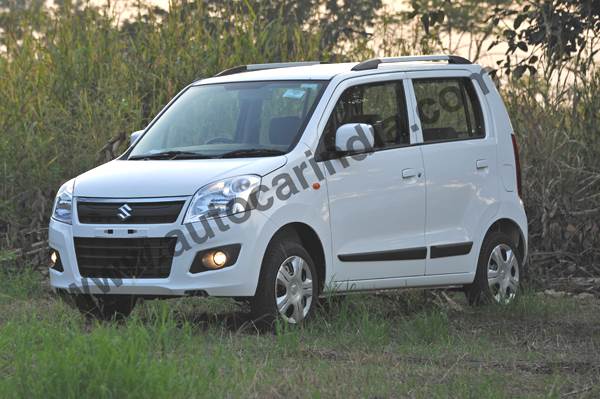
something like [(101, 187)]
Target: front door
[(377, 201)]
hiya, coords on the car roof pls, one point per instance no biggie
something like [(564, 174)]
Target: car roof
[(329, 71)]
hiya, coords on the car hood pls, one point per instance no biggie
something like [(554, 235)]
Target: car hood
[(164, 178)]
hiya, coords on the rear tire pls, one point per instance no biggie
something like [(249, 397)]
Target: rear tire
[(499, 272), (104, 307), (288, 284)]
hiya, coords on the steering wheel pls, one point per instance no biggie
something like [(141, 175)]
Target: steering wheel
[(219, 140)]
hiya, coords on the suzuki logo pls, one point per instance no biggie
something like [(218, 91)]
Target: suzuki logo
[(124, 212)]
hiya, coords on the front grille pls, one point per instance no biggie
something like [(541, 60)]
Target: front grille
[(125, 257), (141, 212)]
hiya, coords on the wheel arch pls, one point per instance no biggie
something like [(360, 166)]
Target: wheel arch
[(514, 231), (310, 240)]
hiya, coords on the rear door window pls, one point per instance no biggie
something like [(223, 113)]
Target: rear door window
[(448, 109)]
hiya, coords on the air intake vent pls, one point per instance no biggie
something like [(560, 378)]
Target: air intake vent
[(125, 257)]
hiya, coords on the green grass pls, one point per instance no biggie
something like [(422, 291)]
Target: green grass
[(380, 345)]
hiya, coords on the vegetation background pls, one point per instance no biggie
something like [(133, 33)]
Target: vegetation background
[(76, 78)]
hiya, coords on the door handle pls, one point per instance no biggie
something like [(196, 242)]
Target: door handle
[(482, 164), (408, 173)]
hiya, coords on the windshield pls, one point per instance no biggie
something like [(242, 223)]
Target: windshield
[(231, 119)]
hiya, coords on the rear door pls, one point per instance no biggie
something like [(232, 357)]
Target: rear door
[(377, 203), (459, 152)]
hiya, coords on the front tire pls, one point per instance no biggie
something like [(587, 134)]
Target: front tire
[(498, 273), (288, 285)]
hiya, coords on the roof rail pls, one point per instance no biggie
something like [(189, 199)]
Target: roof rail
[(373, 63), (260, 67)]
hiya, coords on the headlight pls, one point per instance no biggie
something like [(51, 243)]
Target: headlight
[(63, 204), (222, 198)]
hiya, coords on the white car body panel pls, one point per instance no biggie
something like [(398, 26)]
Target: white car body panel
[(147, 179)]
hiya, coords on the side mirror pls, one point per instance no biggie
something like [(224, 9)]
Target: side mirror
[(355, 138), (134, 137)]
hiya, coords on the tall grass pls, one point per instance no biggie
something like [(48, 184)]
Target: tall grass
[(559, 135), (75, 82)]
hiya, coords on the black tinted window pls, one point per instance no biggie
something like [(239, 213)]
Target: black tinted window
[(381, 105), (448, 109)]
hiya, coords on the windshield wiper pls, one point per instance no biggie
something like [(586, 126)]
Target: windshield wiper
[(170, 155), (252, 152)]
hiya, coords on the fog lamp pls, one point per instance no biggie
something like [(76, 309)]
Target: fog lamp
[(215, 258), (55, 262), (219, 258)]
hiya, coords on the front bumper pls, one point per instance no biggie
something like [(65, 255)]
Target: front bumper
[(241, 279)]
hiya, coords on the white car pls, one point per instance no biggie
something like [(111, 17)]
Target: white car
[(277, 183)]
